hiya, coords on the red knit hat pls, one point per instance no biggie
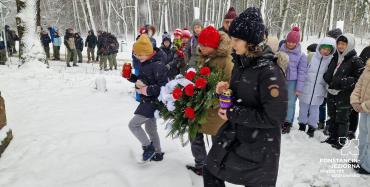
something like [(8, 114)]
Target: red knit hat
[(178, 32), (209, 37), (186, 33), (294, 36), (231, 14)]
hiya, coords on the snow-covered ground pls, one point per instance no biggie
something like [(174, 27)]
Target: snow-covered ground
[(68, 134)]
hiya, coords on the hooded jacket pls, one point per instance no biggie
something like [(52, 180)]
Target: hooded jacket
[(297, 65), (361, 93), (220, 59), (344, 70), (314, 90)]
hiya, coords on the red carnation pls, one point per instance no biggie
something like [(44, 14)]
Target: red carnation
[(201, 83), (177, 93), (190, 75), (205, 71), (189, 113), (189, 90)]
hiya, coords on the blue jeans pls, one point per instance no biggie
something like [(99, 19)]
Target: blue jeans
[(136, 72), (292, 99), (364, 141), (323, 112)]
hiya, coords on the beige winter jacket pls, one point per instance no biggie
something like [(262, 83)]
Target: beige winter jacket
[(2, 113), (220, 59), (361, 93)]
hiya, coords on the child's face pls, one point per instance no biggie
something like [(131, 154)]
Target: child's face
[(142, 58), (226, 24), (342, 46), (197, 29), (205, 51), (150, 33), (325, 51), (166, 43), (290, 45), (239, 46)]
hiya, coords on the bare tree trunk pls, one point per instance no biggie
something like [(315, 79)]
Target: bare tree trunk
[(323, 28), (331, 15), (136, 18), (263, 9), (285, 15), (85, 16), (90, 15), (102, 14), (306, 20), (108, 5), (149, 12)]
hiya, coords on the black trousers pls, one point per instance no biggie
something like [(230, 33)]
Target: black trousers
[(353, 121), (209, 180), (339, 112)]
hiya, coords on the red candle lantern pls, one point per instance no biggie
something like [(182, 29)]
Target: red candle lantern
[(126, 70)]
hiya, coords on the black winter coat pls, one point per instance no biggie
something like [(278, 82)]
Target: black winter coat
[(169, 54), (346, 76), (79, 43), (91, 41), (45, 40), (247, 147), (154, 74)]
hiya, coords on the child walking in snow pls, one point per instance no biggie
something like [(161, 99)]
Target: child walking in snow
[(152, 76), (314, 90)]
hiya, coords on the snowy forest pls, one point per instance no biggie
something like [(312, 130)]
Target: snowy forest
[(123, 17)]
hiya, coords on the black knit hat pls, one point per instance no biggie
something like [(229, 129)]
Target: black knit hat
[(248, 26), (312, 47), (335, 33)]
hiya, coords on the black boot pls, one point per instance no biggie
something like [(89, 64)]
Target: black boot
[(330, 140), (285, 128), (302, 127), (339, 143), (197, 171), (157, 157), (362, 171), (321, 125), (311, 132), (351, 135)]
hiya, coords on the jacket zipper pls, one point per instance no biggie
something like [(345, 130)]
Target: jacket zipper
[(314, 85)]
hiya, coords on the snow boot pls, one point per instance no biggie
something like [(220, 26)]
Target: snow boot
[(197, 171), (351, 135), (75, 65), (157, 157), (68, 65), (330, 140), (148, 152), (311, 132), (285, 129), (339, 143), (362, 171), (302, 127)]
